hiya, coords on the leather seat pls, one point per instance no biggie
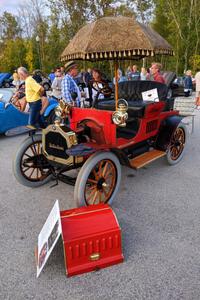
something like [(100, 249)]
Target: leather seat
[(131, 91), (135, 108)]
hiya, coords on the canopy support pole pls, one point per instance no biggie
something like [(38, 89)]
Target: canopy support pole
[(116, 84)]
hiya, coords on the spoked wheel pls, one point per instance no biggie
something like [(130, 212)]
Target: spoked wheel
[(177, 145), (30, 166), (98, 180)]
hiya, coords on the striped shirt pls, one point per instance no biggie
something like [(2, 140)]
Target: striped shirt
[(69, 86)]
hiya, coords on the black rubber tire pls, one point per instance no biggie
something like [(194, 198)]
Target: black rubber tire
[(17, 163), (79, 191), (7, 85), (168, 156)]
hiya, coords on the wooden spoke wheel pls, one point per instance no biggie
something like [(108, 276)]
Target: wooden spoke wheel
[(98, 180), (30, 166), (101, 182), (177, 144)]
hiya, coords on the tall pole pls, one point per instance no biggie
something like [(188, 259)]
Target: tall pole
[(39, 54), (116, 84)]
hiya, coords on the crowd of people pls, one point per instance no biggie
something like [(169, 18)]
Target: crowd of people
[(66, 81), (152, 73), (30, 94)]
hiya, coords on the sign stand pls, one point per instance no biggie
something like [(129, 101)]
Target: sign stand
[(91, 238), (48, 237)]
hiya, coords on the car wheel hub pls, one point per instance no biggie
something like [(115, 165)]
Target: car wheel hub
[(101, 183)]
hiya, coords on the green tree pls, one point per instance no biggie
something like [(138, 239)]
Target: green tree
[(13, 49), (9, 27), (14, 54), (56, 43), (30, 57), (143, 9), (178, 21)]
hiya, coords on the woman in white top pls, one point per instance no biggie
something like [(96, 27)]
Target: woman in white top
[(197, 81), (56, 84), (100, 87), (144, 74)]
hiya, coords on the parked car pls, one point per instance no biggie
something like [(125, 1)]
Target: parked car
[(3, 78), (101, 139), (8, 83), (10, 115), (46, 82), (175, 84)]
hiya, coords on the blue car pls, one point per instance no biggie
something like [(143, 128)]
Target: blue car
[(11, 117), (3, 78)]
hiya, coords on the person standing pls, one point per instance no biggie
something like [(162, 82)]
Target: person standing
[(197, 81), (120, 77), (70, 91), (87, 80), (16, 79), (52, 75), (135, 74), (88, 76), (56, 85), (62, 69), (33, 92), (37, 76), (128, 73), (143, 74), (188, 83), (155, 71)]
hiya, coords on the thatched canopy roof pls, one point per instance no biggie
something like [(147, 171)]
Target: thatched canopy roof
[(115, 38)]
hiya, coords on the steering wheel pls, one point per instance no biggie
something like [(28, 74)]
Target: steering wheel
[(105, 90)]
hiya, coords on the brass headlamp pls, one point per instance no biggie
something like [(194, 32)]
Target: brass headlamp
[(63, 109), (120, 116)]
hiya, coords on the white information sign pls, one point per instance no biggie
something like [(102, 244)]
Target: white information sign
[(151, 95), (48, 237)]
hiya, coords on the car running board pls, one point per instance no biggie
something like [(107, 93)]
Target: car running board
[(145, 158)]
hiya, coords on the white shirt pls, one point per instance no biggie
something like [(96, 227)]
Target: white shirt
[(197, 80)]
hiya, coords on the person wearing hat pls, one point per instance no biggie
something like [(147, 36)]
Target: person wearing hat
[(70, 91)]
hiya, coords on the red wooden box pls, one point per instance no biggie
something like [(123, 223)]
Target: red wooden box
[(91, 238)]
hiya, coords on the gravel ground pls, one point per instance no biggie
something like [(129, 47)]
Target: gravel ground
[(158, 208)]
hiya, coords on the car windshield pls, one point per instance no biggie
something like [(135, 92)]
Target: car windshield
[(179, 81), (5, 95)]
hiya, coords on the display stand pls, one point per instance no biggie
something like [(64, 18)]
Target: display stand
[(91, 239)]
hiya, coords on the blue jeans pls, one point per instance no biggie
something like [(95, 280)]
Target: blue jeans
[(34, 115)]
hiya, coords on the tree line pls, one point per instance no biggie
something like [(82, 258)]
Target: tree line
[(36, 36)]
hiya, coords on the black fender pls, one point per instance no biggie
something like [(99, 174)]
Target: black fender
[(80, 150), (167, 128)]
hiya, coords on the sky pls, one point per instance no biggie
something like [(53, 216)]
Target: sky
[(10, 5)]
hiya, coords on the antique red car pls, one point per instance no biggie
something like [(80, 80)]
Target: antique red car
[(96, 143), (125, 131)]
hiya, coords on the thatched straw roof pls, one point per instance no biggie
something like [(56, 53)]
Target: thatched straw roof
[(115, 38)]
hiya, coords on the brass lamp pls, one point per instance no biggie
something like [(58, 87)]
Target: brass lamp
[(120, 116)]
